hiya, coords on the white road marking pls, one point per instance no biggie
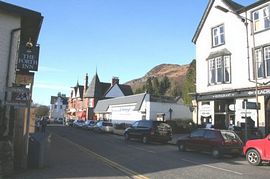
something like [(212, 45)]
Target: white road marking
[(142, 149), (210, 166)]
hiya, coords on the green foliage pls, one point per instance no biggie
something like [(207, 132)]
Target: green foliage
[(189, 83), (42, 111)]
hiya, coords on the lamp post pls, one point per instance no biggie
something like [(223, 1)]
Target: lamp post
[(255, 69)]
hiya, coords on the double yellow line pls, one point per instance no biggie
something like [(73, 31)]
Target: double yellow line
[(128, 172)]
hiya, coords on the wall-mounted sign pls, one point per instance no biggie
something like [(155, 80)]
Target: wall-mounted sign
[(205, 110), (24, 78), (19, 96), (28, 57)]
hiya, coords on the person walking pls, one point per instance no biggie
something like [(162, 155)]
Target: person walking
[(43, 124)]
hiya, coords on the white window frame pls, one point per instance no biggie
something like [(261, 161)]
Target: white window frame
[(261, 19), (218, 35), (262, 59), (219, 70)]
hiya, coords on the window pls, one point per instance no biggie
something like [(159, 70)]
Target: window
[(197, 133), (218, 36), (220, 70), (261, 19), (262, 58)]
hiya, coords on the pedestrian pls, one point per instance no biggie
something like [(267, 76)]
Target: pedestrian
[(43, 124)]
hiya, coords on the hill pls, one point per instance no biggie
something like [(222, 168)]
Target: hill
[(175, 73)]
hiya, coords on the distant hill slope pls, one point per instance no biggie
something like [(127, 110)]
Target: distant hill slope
[(176, 74)]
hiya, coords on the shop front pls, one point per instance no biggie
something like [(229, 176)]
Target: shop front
[(234, 109)]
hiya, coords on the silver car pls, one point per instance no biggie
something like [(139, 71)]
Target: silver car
[(104, 126)]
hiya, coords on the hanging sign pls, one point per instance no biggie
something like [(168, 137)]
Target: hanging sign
[(28, 57)]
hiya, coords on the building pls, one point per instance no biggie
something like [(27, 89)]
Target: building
[(58, 106), (127, 109), (232, 58), (83, 98), (19, 34)]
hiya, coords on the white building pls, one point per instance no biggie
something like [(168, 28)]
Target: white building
[(58, 107), (128, 109), (227, 72)]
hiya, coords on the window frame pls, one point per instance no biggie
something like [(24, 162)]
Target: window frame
[(261, 19), (220, 67), (262, 63), (220, 36)]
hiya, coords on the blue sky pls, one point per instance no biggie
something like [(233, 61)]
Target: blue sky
[(123, 38)]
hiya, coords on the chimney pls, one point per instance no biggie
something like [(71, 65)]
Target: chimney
[(115, 80), (85, 83)]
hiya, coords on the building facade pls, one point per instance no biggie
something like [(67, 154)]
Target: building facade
[(19, 34), (128, 109), (232, 58), (83, 98), (58, 106)]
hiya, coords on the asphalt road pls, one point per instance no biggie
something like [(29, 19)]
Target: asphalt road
[(109, 156)]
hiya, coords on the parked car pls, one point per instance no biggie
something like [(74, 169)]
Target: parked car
[(103, 126), (257, 150), (78, 123), (149, 130), (217, 142), (69, 122), (89, 124)]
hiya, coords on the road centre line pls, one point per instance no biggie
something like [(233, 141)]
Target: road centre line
[(210, 166), (130, 173), (138, 148)]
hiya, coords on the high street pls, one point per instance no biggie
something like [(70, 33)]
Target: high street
[(77, 153)]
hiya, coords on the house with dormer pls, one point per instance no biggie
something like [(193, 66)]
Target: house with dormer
[(83, 98), (233, 65)]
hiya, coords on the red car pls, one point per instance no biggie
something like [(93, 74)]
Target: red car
[(257, 150)]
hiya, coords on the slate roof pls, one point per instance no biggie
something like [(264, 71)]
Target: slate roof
[(96, 88), (99, 89), (103, 105), (54, 99)]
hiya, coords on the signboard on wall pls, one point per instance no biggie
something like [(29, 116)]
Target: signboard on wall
[(24, 78), (28, 57), (19, 96)]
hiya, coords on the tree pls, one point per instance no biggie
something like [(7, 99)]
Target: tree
[(42, 110), (156, 86), (189, 83), (164, 85), (149, 86)]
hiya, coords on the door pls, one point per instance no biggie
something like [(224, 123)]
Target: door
[(267, 116)]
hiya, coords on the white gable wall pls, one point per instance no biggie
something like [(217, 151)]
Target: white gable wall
[(235, 42), (115, 91)]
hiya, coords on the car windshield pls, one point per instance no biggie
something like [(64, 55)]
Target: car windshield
[(229, 136)]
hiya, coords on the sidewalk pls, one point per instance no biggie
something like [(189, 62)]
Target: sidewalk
[(67, 160)]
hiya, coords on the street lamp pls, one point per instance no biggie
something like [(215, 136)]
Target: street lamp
[(255, 69)]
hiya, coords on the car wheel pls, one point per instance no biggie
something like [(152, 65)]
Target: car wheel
[(126, 136), (216, 153), (181, 147), (253, 157), (145, 139)]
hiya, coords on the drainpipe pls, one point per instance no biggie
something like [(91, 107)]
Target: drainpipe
[(9, 58), (6, 108)]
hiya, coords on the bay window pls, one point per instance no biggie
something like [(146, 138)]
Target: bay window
[(219, 70)]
